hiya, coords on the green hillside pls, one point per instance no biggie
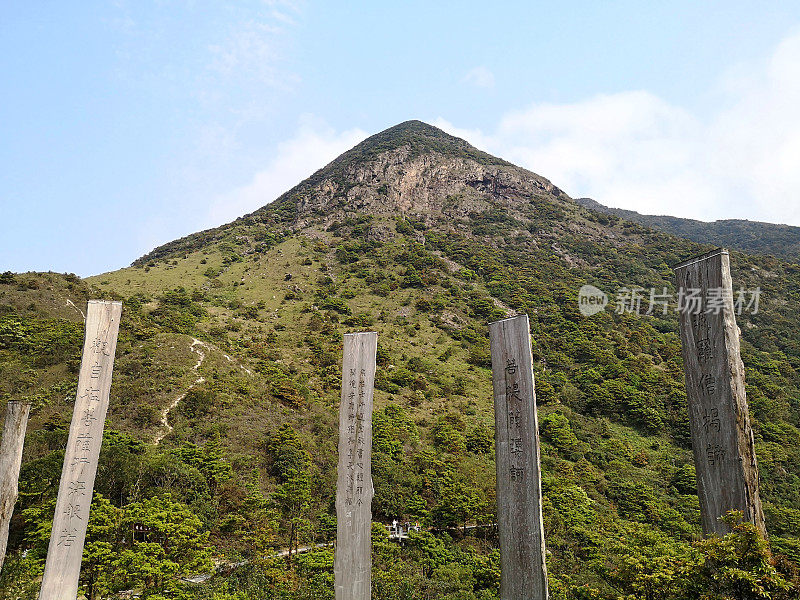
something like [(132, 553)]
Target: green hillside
[(424, 239), (753, 237)]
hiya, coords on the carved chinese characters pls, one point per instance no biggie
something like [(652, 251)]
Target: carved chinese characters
[(722, 440), (353, 561), (519, 496), (64, 554)]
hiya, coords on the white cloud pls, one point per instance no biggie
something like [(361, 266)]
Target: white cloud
[(628, 146), (312, 147), (285, 10), (630, 149), (757, 138), (637, 151), (480, 77), (246, 49)]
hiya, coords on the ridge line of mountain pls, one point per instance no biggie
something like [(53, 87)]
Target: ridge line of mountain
[(752, 237)]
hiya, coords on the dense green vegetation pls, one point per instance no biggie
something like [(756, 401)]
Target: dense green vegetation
[(248, 468), (748, 236)]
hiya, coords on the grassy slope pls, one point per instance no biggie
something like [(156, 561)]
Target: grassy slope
[(612, 408), (260, 283), (648, 459)]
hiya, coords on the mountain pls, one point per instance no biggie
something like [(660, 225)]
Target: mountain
[(754, 237), (412, 167), (226, 388)]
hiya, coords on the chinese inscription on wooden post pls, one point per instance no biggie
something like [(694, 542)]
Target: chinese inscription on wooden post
[(353, 560), (60, 581), (722, 439), (523, 573)]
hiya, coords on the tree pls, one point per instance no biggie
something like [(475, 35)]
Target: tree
[(286, 452), (738, 566), (459, 502), (144, 545), (293, 498), (102, 537)]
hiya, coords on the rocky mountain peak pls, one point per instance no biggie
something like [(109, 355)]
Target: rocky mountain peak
[(410, 170), (417, 138)]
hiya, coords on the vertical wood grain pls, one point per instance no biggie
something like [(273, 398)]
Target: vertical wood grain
[(62, 568), (10, 460), (722, 439), (523, 573), (353, 556)]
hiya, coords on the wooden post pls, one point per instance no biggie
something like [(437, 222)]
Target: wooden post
[(722, 439), (523, 572), (352, 565), (63, 565), (10, 461)]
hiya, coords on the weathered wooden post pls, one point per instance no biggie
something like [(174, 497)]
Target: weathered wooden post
[(523, 572), (722, 439), (10, 461), (353, 556), (63, 565)]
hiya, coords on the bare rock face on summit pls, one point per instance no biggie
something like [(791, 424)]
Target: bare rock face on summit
[(430, 184), (411, 170), (422, 239)]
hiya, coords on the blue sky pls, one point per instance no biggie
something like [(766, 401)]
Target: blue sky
[(147, 120)]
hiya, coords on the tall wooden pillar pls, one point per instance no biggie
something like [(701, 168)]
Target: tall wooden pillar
[(63, 565), (722, 439), (523, 572), (353, 556), (10, 461)]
